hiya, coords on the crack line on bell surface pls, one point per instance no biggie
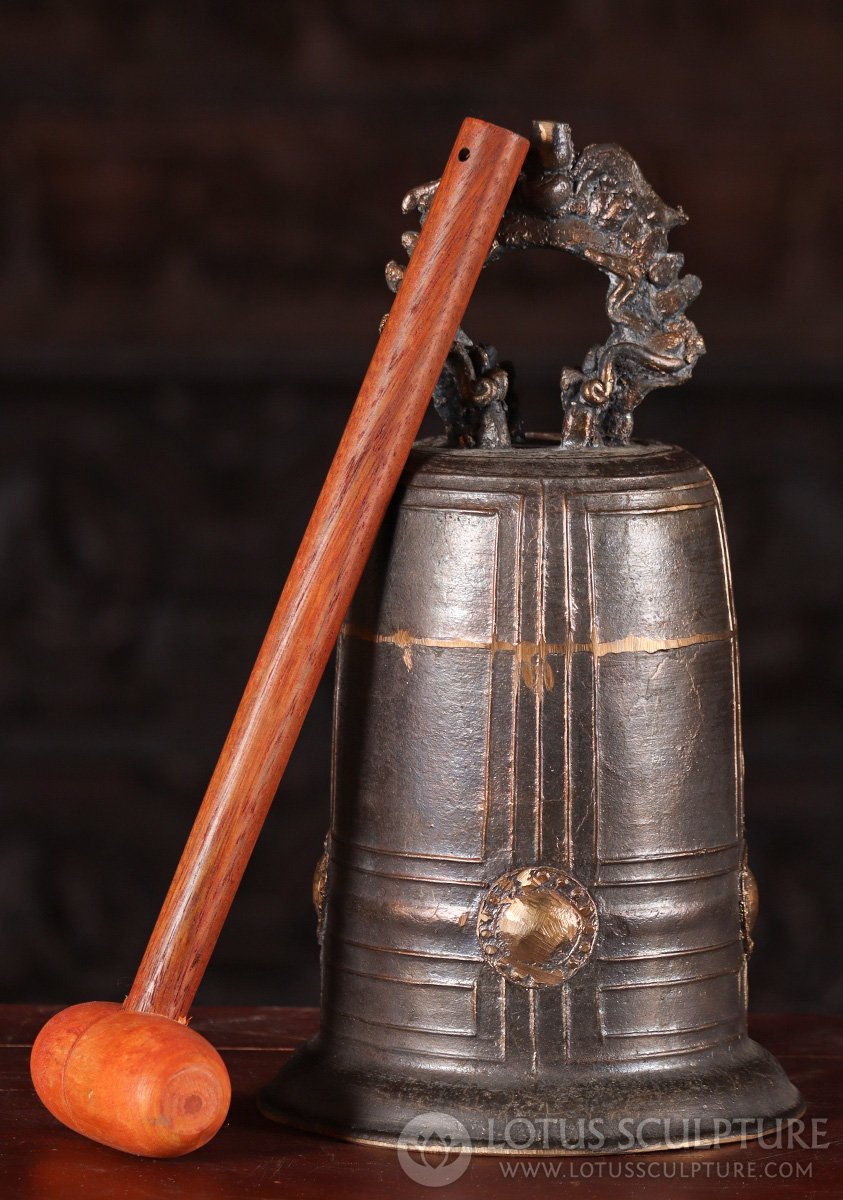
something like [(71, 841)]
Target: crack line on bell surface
[(525, 651)]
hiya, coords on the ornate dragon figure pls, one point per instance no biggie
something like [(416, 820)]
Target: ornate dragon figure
[(598, 206)]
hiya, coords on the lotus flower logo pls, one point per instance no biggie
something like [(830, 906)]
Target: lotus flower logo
[(434, 1149)]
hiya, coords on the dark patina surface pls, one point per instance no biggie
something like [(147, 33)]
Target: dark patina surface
[(535, 901)]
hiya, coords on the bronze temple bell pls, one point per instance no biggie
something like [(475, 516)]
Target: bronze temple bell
[(534, 900)]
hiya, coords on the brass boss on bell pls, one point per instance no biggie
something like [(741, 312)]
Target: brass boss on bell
[(534, 900)]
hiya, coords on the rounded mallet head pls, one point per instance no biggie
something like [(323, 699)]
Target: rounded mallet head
[(135, 1081)]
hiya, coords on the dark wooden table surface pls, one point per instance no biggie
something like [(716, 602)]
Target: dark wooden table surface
[(251, 1157)]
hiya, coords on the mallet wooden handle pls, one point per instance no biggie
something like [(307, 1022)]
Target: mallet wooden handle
[(129, 1076), (445, 263)]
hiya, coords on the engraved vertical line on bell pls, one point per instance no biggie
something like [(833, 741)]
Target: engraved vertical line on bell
[(540, 670), (517, 619), (487, 793), (736, 685), (566, 696), (595, 752)]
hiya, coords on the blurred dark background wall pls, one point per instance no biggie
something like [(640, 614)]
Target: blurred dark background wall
[(196, 204)]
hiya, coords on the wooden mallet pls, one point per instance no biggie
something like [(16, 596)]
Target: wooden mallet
[(134, 1076)]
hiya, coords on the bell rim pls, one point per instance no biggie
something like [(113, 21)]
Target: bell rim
[(294, 1097)]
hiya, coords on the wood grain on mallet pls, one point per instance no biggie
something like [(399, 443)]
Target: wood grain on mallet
[(418, 333)]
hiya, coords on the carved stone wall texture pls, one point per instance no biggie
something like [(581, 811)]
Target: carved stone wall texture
[(195, 205)]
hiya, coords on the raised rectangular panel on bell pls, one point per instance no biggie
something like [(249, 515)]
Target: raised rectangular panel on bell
[(659, 574), (448, 695), (643, 921), (454, 598), (679, 1006), (666, 756), (422, 1007), (424, 917)]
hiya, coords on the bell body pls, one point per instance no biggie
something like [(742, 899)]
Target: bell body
[(536, 909)]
